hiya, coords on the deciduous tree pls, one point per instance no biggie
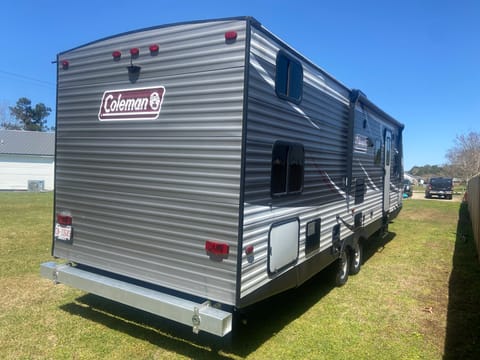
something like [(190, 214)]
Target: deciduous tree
[(464, 157), (31, 118)]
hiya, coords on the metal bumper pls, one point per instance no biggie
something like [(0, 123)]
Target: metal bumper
[(202, 317), (440, 192)]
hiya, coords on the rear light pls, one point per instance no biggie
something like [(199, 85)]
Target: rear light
[(217, 249), (230, 35), (154, 48), (116, 55), (65, 64), (249, 250), (134, 52), (64, 218)]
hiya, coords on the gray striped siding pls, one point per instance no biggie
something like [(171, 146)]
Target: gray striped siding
[(145, 195), (325, 139)]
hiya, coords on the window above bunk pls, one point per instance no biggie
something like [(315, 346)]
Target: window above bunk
[(288, 78)]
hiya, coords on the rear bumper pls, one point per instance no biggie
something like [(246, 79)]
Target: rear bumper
[(201, 316), (440, 192)]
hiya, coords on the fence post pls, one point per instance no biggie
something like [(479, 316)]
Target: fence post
[(473, 198)]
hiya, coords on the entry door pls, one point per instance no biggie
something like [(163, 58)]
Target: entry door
[(387, 163)]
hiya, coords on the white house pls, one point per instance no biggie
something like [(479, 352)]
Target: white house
[(27, 160), (412, 179)]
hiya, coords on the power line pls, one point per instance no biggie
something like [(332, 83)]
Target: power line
[(28, 78)]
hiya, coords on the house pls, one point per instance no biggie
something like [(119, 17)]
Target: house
[(412, 179), (27, 160)]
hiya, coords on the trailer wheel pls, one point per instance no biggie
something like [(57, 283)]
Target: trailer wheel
[(342, 268), (356, 257)]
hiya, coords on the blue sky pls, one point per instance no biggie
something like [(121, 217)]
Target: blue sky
[(419, 60)]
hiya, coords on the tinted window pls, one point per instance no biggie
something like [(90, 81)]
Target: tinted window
[(288, 78), (388, 145), (281, 79), (279, 168), (441, 182), (377, 152), (287, 168), (295, 168)]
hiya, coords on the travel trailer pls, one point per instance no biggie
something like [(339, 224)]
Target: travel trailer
[(202, 167)]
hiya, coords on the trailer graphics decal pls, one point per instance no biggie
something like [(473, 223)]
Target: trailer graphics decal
[(131, 104)]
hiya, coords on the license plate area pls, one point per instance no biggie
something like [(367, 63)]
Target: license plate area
[(63, 232)]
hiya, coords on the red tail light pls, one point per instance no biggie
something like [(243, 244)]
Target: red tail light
[(216, 248), (116, 55), (231, 35), (154, 48), (64, 218)]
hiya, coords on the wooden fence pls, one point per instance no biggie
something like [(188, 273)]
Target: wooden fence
[(473, 194)]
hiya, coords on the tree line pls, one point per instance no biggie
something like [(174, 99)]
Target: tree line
[(25, 116), (463, 160)]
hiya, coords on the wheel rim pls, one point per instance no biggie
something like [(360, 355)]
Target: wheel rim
[(356, 256), (344, 265)]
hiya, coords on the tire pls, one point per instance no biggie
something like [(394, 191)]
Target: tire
[(342, 268), (356, 258)]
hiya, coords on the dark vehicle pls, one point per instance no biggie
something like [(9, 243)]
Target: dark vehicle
[(407, 188), (441, 187)]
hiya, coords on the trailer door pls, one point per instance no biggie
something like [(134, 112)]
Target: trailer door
[(386, 179)]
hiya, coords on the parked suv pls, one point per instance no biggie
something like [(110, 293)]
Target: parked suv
[(441, 187)]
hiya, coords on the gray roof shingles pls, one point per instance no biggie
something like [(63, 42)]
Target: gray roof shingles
[(17, 142)]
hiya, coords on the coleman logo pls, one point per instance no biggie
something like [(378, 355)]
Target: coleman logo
[(131, 104)]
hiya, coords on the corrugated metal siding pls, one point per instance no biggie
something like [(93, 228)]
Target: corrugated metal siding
[(372, 127), (320, 122), (364, 166), (145, 195)]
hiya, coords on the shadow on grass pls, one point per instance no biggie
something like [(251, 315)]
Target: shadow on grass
[(264, 319), (376, 244), (463, 317)]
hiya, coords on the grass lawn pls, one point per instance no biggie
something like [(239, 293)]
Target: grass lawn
[(417, 297)]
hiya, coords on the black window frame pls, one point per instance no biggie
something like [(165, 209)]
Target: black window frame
[(288, 168), (288, 78)]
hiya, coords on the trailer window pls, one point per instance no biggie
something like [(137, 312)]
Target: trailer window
[(288, 78), (359, 191), (377, 152), (388, 150), (287, 168)]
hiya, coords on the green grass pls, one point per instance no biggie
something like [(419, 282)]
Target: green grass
[(415, 298)]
